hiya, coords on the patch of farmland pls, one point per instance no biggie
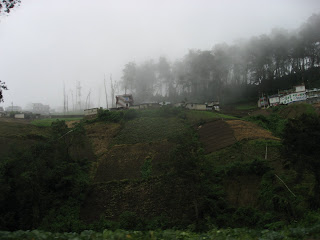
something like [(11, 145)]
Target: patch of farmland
[(216, 135), (222, 133), (248, 130)]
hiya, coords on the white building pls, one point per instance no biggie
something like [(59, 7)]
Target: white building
[(19, 116), (40, 108), (274, 100), (300, 88), (13, 109), (196, 106), (91, 111), (124, 101)]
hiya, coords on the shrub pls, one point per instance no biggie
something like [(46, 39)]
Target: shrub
[(130, 114), (110, 116), (146, 168)]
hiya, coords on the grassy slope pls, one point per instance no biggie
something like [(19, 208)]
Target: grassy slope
[(142, 130), (20, 130), (15, 136), (48, 121), (156, 129), (203, 116), (136, 136)]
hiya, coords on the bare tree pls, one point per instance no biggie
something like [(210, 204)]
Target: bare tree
[(7, 5), (2, 87)]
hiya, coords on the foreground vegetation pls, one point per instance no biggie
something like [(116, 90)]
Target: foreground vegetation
[(290, 233)]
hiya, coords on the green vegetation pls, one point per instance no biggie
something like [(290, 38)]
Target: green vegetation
[(301, 139), (246, 106), (277, 120), (290, 233), (146, 129), (273, 123), (18, 130), (263, 189), (42, 185), (48, 121), (246, 151), (203, 116), (294, 110), (146, 168)]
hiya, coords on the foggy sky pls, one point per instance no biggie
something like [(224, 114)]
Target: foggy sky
[(48, 43)]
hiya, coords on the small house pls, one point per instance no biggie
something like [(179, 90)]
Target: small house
[(213, 106), (274, 100), (19, 116), (196, 106), (165, 103), (313, 95), (91, 111), (300, 88), (181, 104), (124, 101), (14, 109)]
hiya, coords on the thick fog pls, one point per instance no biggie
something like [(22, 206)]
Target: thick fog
[(48, 46)]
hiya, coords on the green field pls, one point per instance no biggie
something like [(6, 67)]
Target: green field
[(48, 121), (18, 130)]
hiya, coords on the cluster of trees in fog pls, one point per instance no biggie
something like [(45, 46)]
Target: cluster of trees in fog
[(226, 73), (7, 5)]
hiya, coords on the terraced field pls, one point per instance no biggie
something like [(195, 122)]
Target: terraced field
[(216, 135), (222, 133)]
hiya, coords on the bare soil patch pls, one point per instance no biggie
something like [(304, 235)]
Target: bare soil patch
[(216, 135), (71, 124), (263, 112), (15, 120), (222, 133), (100, 135)]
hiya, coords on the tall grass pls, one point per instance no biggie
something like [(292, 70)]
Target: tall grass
[(48, 121)]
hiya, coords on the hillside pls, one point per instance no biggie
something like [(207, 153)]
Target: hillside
[(235, 148), (153, 169)]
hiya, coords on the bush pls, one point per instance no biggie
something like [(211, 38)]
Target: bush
[(130, 221), (110, 116), (146, 168), (130, 114), (273, 123)]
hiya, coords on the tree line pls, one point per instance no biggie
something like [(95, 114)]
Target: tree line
[(236, 72)]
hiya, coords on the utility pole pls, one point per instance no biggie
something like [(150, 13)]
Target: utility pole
[(67, 103), (78, 94), (88, 97), (72, 99), (64, 99), (99, 97), (105, 90), (112, 91)]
